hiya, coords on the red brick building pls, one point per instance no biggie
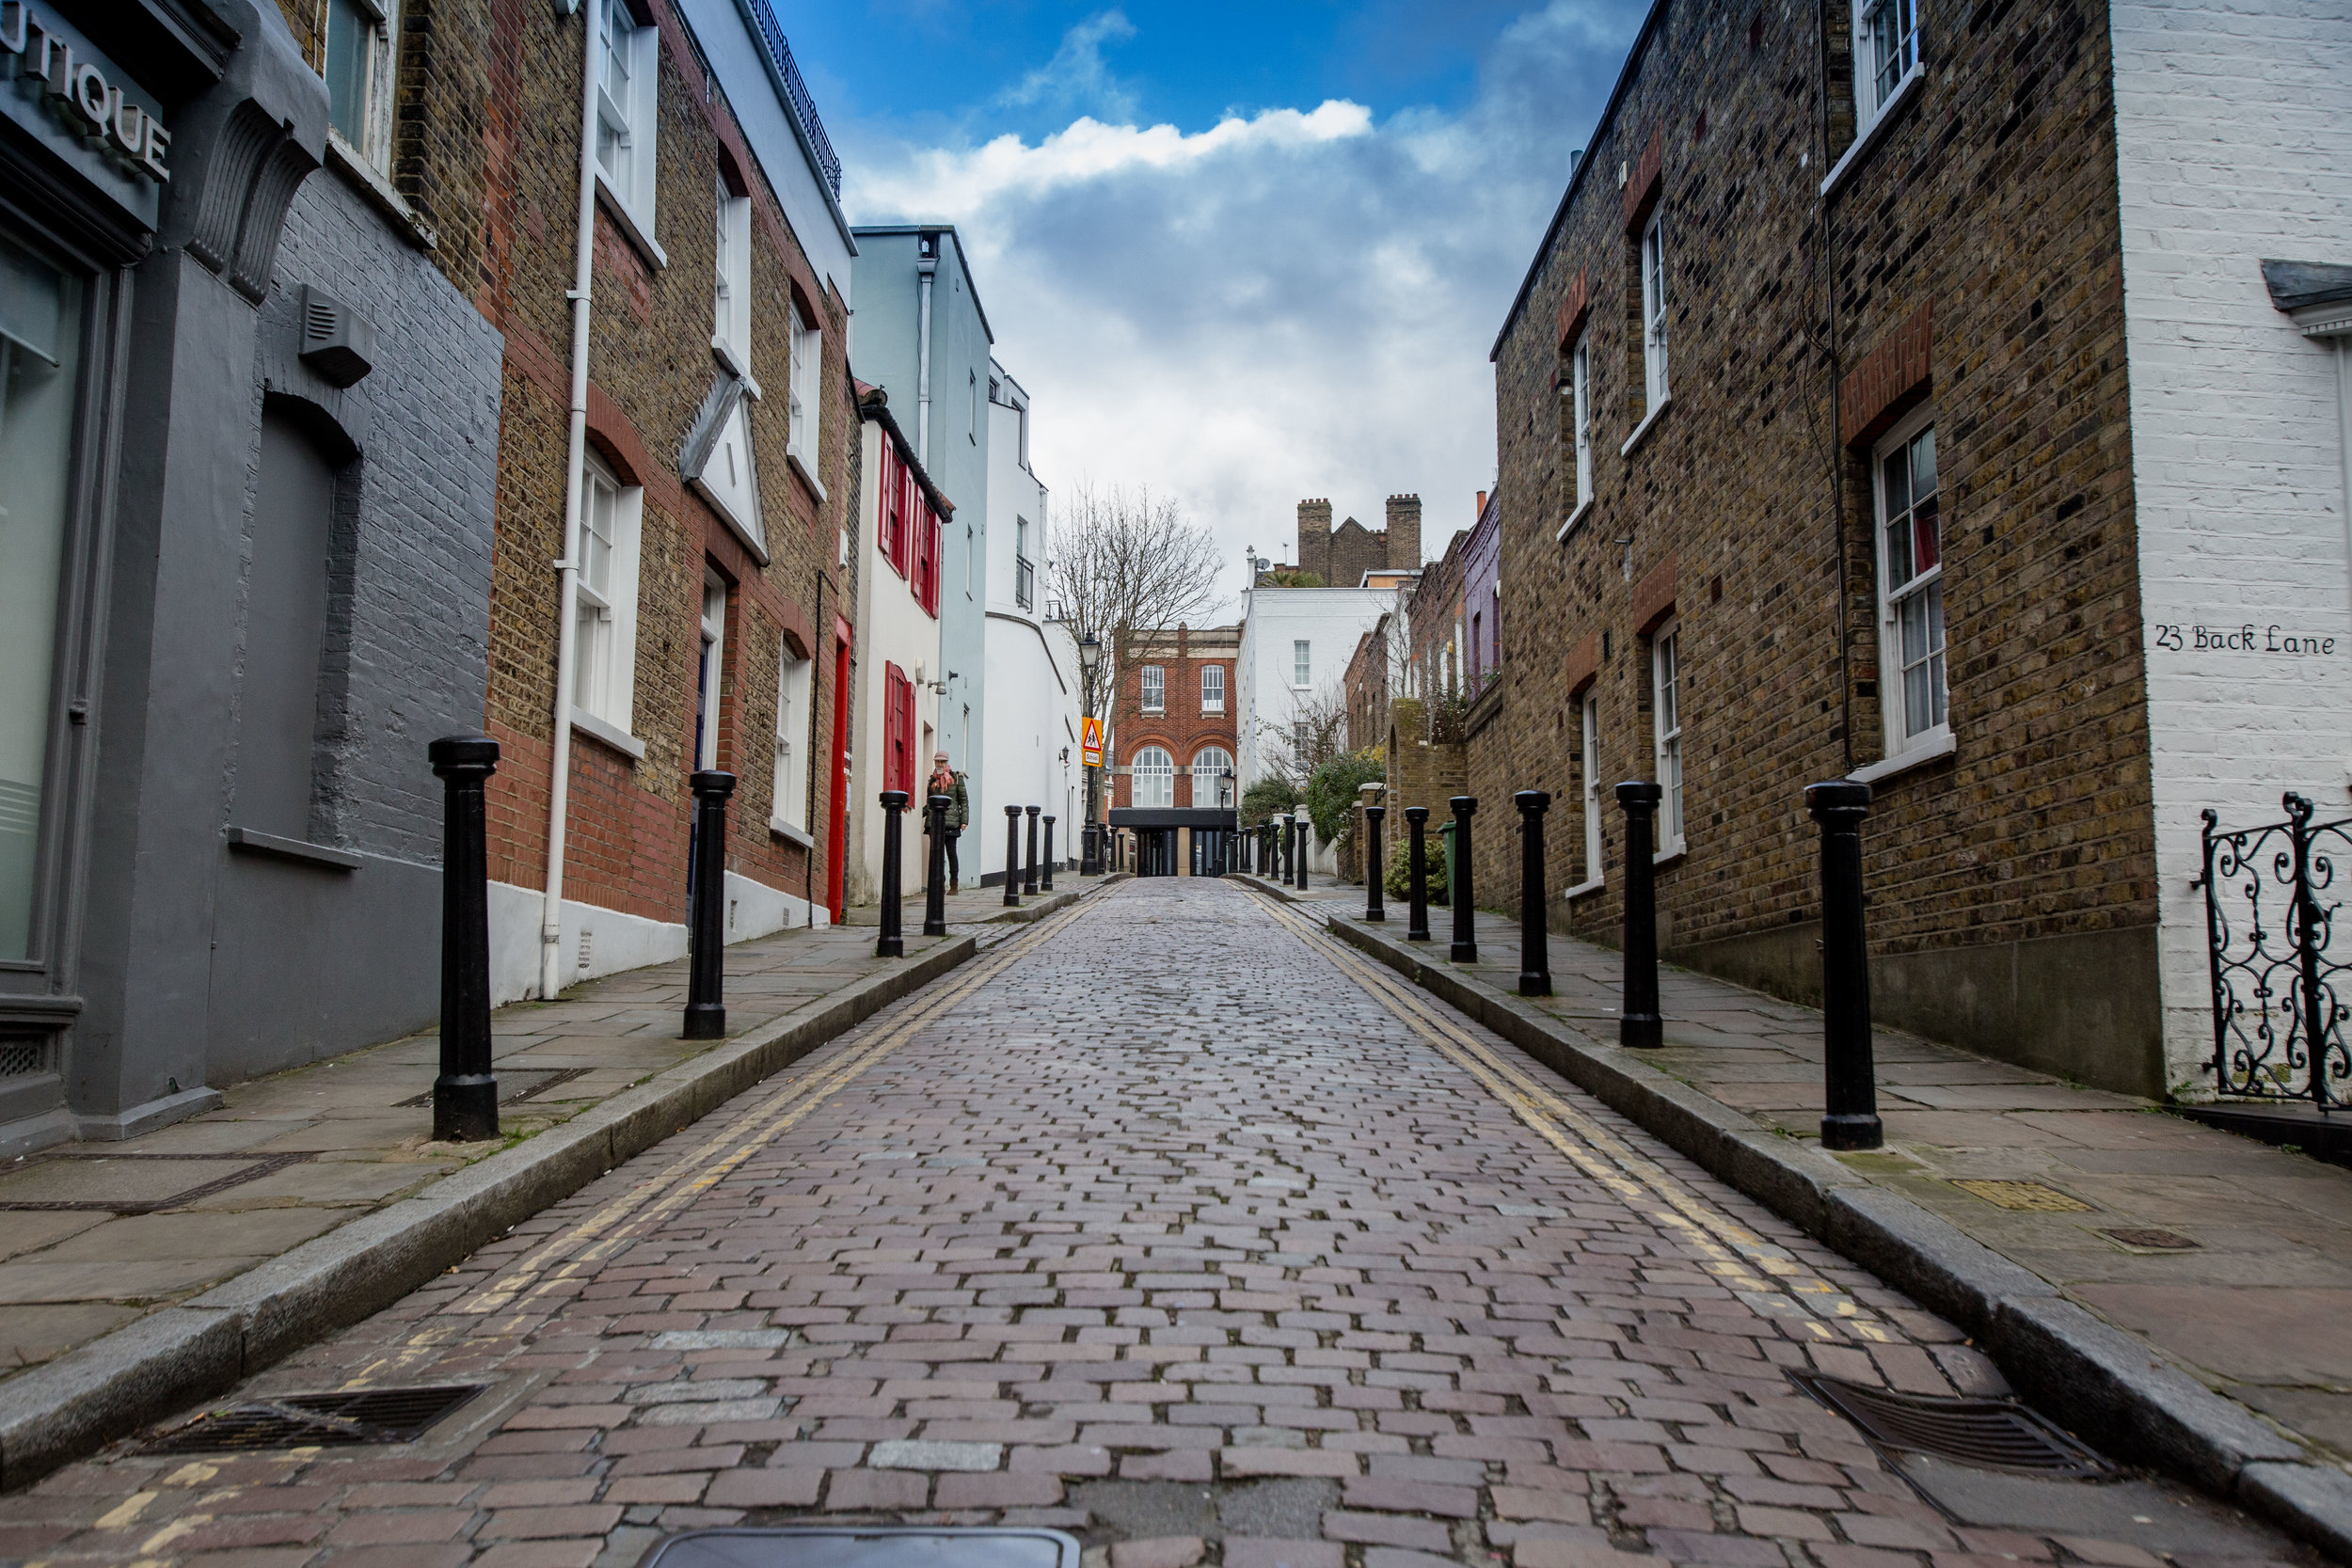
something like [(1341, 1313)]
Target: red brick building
[(1173, 780)]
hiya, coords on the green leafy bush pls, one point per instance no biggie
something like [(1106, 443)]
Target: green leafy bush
[(1331, 791), (1399, 880), (1265, 798)]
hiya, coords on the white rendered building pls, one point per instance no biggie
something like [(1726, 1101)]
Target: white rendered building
[(1296, 644)]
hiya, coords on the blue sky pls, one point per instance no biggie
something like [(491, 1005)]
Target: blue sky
[(1241, 254)]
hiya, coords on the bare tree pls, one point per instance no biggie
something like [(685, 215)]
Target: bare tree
[(1127, 562), (1316, 732)]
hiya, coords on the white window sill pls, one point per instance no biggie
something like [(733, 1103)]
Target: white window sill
[(734, 361), (611, 734), (1867, 137), (369, 181), (1574, 517), (1668, 855), (1154, 712), (808, 475), (1212, 713), (639, 231), (1936, 744), (782, 828), (1647, 420), (1582, 889)]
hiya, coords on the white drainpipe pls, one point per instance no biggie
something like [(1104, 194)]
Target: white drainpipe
[(567, 564), (922, 366)]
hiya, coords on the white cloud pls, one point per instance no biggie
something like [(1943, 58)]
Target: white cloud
[(1290, 302), (1078, 76)]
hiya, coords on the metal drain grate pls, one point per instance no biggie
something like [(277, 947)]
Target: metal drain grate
[(1996, 1434), (332, 1421), (2031, 1195)]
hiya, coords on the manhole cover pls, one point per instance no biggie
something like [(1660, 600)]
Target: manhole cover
[(1996, 1434), (878, 1548), (332, 1421), (2024, 1194), (2150, 1240)]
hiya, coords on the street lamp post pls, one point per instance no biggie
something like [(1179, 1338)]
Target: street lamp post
[(1091, 850)]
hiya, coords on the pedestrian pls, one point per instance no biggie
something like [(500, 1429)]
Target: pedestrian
[(946, 780)]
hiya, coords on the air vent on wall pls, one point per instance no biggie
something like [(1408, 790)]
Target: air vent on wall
[(336, 341)]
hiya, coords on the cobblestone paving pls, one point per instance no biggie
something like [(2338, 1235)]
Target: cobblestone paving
[(1169, 1222)]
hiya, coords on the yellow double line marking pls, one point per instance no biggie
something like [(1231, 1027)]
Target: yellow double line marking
[(589, 1244), (1760, 1273)]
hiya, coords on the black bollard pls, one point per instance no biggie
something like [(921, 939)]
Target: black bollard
[(1534, 937), (1638, 1023), (1851, 1096), (1374, 910), (1417, 899), (935, 879), (1290, 849), (465, 1094), (1045, 881), (1306, 847), (706, 923), (1029, 882), (892, 943), (1012, 857), (1460, 895)]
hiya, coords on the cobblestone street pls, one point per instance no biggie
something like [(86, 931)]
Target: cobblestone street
[(1171, 1222)]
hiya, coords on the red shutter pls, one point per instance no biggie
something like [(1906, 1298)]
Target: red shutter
[(893, 731), (906, 729)]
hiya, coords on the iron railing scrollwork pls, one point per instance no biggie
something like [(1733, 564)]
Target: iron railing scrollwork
[(2277, 1013)]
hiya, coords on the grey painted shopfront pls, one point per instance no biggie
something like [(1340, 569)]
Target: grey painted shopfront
[(248, 454)]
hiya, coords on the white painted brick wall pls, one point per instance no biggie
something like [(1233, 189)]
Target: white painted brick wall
[(2234, 138)]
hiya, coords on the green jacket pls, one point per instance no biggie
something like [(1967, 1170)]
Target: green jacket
[(959, 810)]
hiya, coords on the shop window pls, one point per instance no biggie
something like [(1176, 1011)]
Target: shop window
[(604, 644), (40, 342)]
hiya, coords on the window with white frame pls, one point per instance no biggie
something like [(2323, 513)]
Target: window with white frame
[(710, 676), (360, 38), (1213, 689), (1911, 587), (1654, 309), (1023, 565), (1302, 662), (1154, 688), (604, 642), (1580, 382), (630, 64), (1593, 799), (1211, 777), (1666, 660), (731, 329), (796, 684), (1885, 50), (805, 408), (1152, 779)]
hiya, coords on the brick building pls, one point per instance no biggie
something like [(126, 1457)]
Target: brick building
[(1342, 556), (715, 483), (1174, 783), (1934, 358)]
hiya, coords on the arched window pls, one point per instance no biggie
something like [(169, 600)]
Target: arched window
[(1209, 768), (1155, 777)]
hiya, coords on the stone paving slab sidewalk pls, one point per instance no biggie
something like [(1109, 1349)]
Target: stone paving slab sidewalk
[(99, 1242), (2232, 1258)]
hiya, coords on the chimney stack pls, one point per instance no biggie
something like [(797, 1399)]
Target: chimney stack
[(1482, 508), (1403, 533), (1314, 538)]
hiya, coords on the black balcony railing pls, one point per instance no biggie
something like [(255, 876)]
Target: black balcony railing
[(796, 93), (1024, 582), (2270, 911)]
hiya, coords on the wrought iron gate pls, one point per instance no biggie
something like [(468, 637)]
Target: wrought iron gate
[(2278, 1022)]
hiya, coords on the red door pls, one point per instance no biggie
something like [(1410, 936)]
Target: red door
[(838, 835)]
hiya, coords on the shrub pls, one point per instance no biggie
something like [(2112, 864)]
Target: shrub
[(1332, 790), (1265, 798), (1399, 881)]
